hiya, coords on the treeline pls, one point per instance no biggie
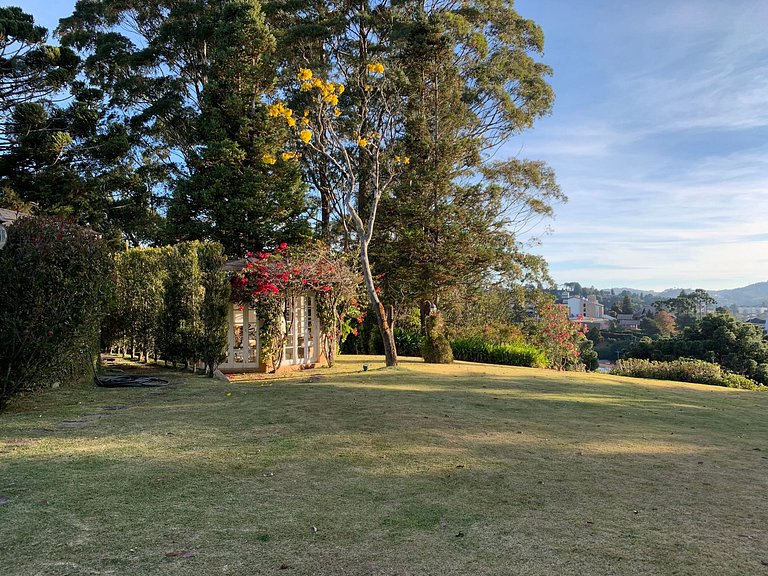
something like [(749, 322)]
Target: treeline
[(736, 346), (167, 134)]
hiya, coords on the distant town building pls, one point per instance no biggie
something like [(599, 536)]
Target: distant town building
[(587, 311), (629, 321)]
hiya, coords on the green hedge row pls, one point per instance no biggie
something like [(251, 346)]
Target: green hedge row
[(479, 350), (682, 370), (171, 303)]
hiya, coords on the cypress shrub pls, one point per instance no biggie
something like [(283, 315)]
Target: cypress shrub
[(435, 348)]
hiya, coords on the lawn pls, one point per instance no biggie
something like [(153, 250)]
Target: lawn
[(448, 470)]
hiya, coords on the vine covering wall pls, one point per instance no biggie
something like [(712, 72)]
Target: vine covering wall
[(268, 278)]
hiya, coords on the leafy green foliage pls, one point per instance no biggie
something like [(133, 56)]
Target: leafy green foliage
[(408, 342), (471, 82), (214, 308), (73, 161), (55, 287), (682, 370), (718, 338), (513, 354), (436, 349), (687, 307), (189, 81), (30, 70), (171, 302)]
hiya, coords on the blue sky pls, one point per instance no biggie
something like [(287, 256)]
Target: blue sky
[(659, 137)]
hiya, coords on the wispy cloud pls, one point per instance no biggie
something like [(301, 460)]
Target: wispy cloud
[(661, 146)]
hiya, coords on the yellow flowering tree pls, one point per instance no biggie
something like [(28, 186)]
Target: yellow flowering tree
[(350, 131)]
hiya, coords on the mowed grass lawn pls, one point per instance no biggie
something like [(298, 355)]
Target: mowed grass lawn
[(444, 470)]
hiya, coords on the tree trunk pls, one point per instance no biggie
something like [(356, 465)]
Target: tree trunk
[(383, 317)]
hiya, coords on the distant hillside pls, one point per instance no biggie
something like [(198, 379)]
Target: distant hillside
[(752, 295)]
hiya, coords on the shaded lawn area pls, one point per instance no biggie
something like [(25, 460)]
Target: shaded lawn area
[(462, 469)]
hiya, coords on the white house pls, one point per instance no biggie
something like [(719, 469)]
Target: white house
[(587, 311)]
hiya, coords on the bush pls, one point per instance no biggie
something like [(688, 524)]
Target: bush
[(408, 342), (515, 354), (55, 287), (682, 370)]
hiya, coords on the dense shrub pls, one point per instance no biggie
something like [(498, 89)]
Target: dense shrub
[(682, 370), (55, 286), (515, 354), (408, 342)]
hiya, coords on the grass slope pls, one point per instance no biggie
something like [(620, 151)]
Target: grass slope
[(450, 470)]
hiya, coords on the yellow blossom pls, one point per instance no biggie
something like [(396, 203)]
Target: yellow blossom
[(268, 158), (305, 86), (363, 142), (397, 159), (304, 74), (336, 112), (304, 121), (376, 68), (274, 110), (340, 89), (367, 87), (406, 160), (291, 122), (288, 156), (305, 135)]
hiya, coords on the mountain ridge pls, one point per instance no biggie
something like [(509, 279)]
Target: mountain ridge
[(751, 295)]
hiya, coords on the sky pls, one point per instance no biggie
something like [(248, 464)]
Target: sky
[(658, 136)]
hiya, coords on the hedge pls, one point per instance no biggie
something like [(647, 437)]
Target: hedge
[(682, 370), (55, 287), (516, 354), (171, 303)]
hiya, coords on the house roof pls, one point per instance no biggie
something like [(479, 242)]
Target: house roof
[(234, 265)]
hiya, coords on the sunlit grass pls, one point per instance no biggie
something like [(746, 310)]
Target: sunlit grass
[(460, 469)]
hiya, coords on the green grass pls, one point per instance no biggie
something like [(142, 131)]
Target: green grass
[(449, 470)]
